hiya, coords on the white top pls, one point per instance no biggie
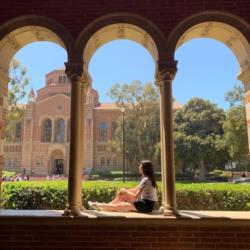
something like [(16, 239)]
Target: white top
[(149, 192)]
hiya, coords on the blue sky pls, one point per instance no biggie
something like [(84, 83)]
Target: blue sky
[(206, 68)]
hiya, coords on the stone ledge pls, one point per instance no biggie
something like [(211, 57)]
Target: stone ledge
[(91, 216)]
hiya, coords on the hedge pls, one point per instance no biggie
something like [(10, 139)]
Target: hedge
[(53, 194), (117, 175), (8, 174)]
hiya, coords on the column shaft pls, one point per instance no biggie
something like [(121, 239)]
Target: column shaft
[(245, 78), (166, 72), (4, 79), (74, 206), (163, 169)]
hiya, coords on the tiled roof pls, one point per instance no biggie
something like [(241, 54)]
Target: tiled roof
[(21, 105), (177, 105), (107, 106)]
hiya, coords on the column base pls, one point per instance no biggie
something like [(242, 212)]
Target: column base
[(167, 210), (73, 211)]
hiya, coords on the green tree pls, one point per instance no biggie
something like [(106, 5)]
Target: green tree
[(235, 129), (16, 92), (142, 122), (235, 96), (198, 133), (235, 125)]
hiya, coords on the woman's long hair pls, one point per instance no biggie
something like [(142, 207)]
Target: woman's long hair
[(147, 169)]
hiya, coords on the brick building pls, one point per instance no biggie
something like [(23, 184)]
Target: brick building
[(41, 144)]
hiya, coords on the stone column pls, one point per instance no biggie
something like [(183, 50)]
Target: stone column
[(164, 77), (4, 79), (75, 73), (244, 76)]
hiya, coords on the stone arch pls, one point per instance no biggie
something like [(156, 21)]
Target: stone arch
[(97, 33), (20, 31), (229, 29), (121, 26)]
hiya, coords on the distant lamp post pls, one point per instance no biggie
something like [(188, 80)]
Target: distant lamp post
[(123, 142)]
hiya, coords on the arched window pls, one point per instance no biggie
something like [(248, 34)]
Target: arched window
[(18, 132), (113, 129), (103, 131), (60, 79), (102, 161), (50, 81), (64, 79), (59, 131), (108, 161), (46, 131), (114, 161)]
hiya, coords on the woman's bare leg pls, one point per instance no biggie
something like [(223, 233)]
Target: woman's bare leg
[(121, 197), (115, 200), (117, 207)]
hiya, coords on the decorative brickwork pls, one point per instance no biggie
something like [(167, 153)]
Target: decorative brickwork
[(123, 234)]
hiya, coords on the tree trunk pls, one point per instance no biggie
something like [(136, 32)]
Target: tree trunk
[(183, 166), (201, 171)]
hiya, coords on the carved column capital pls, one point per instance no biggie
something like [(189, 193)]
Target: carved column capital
[(77, 73), (86, 79), (166, 71), (4, 79), (244, 76)]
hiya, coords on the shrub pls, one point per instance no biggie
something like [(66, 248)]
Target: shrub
[(209, 196), (97, 174), (34, 195), (195, 196), (218, 175), (8, 174), (216, 172)]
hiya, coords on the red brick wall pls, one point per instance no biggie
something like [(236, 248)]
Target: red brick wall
[(76, 14), (107, 116), (122, 234), (49, 109)]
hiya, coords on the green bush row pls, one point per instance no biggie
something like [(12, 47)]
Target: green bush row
[(117, 175), (8, 174), (53, 194)]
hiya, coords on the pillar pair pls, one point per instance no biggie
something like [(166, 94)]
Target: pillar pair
[(79, 80)]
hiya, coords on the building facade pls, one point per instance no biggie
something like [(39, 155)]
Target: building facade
[(41, 145)]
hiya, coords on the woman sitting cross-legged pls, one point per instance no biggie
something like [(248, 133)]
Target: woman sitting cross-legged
[(141, 198)]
